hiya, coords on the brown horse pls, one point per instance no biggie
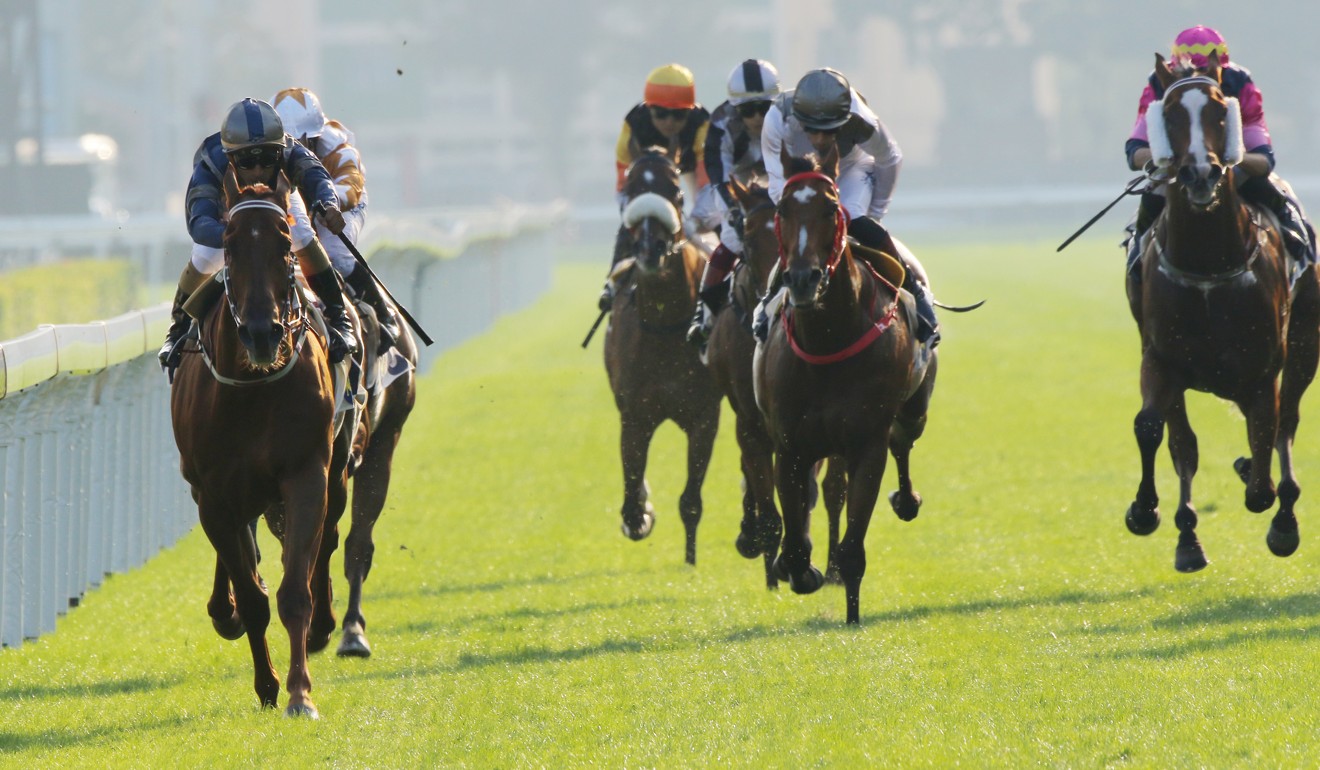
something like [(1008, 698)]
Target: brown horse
[(254, 419), (1215, 314), (654, 374), (842, 375), (729, 353), (386, 411)]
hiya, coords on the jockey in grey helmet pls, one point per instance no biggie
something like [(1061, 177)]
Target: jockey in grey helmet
[(823, 111), (252, 145)]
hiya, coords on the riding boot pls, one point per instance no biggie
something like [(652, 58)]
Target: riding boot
[(928, 326), (711, 300), (622, 242), (1147, 210), (366, 288), (761, 319), (342, 338), (1298, 237), (189, 280)]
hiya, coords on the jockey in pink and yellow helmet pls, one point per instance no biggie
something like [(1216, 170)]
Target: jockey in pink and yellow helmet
[(1190, 54)]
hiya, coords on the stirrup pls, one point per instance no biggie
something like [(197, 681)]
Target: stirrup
[(606, 300)]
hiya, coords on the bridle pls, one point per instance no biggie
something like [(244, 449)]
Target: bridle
[(840, 221), (291, 309)]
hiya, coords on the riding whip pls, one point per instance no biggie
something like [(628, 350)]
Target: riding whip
[(1129, 191), (362, 263), (594, 326)]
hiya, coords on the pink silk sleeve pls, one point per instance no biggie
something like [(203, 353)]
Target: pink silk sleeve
[(1139, 128), (1254, 131)]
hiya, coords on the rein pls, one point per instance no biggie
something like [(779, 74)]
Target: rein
[(882, 323)]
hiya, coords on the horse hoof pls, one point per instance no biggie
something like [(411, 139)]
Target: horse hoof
[(907, 506), (302, 710), (1242, 466), (648, 521), (809, 583), (748, 547), (353, 645), (1281, 542), (230, 629), (1142, 522), (1189, 556)]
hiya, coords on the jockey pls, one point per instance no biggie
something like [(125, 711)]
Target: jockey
[(670, 117), (733, 151), (252, 142), (825, 110), (333, 144), (1191, 51)]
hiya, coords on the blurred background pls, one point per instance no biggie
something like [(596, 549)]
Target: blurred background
[(1010, 110)]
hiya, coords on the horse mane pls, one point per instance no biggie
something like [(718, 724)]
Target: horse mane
[(801, 165)]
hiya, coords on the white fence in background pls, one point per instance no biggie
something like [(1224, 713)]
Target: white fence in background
[(87, 456)]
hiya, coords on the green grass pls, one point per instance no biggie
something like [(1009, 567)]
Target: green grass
[(1014, 623), (69, 292)]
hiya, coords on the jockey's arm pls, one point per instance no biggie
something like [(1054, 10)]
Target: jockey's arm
[(772, 142)]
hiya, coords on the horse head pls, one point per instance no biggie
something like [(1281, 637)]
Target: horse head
[(652, 215), (1195, 130), (760, 248), (810, 225), (259, 284)]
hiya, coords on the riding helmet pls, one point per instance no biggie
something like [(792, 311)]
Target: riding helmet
[(251, 123), (1193, 46), (755, 80), (301, 112), (670, 86), (822, 99)]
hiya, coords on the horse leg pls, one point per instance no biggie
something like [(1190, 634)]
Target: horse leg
[(701, 444), (792, 477), (864, 476), (323, 594), (1143, 515), (239, 562), (305, 499), (1298, 372), (1262, 412), (370, 486), (761, 526), (834, 488), (1188, 556), (909, 426), (224, 615), (634, 445)]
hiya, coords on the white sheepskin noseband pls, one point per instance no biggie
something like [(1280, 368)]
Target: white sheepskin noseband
[(654, 206)]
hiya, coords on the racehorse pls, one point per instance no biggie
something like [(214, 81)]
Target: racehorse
[(1215, 314), (654, 374), (386, 411), (840, 375), (729, 354), (253, 413)]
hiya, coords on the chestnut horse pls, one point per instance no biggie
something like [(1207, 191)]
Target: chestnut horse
[(654, 374), (1215, 314), (254, 419), (842, 375), (386, 411), (729, 353)]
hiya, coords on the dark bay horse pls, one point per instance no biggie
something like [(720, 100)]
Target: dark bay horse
[(841, 376), (254, 419), (386, 411), (729, 353), (1215, 314), (654, 374)]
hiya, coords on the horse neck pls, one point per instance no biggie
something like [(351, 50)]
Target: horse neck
[(1207, 242), (673, 286)]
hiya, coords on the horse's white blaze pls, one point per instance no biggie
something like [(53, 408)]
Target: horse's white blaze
[(803, 195), (1194, 101), (648, 176), (802, 240)]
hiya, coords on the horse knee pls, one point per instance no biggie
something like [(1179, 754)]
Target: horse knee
[(1149, 428)]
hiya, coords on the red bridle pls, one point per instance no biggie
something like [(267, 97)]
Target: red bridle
[(840, 221)]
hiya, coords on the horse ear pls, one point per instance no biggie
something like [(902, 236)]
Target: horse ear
[(738, 190), (1163, 72), (230, 184), (1214, 70), (829, 164)]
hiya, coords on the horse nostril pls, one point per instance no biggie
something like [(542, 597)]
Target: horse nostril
[(817, 274), (1216, 171), (1186, 175)]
